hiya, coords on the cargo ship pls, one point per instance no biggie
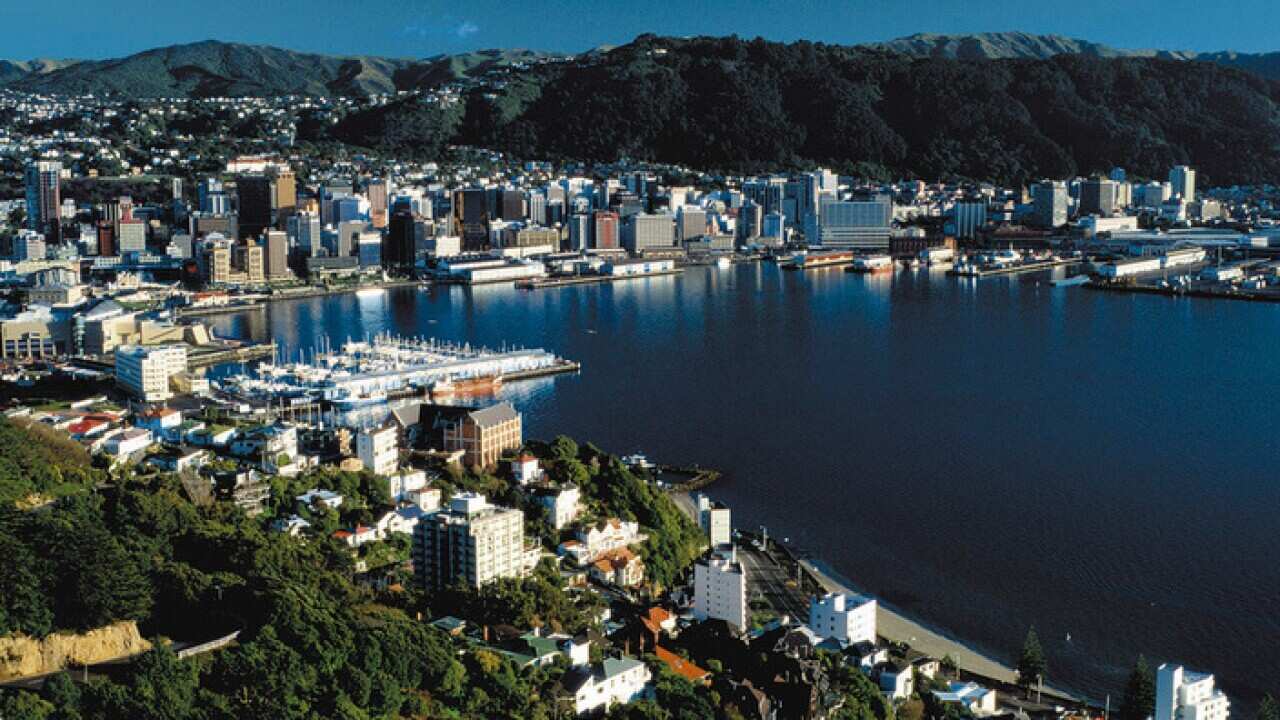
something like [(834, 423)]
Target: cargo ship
[(809, 261), (871, 264)]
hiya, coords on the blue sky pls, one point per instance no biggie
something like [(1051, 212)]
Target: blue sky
[(104, 28)]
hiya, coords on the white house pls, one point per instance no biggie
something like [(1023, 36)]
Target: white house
[(357, 536), (896, 679), (292, 525), (720, 588), (979, 700), (600, 538), (401, 484), (561, 504), (847, 618), (525, 469), (1182, 694), (327, 498), (614, 681), (127, 442)]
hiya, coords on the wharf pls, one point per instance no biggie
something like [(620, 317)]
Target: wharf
[(259, 302), (244, 353), (1226, 293), (1015, 269), (560, 367), (588, 279)]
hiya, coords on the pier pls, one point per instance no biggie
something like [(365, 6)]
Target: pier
[(535, 284), (1014, 269)]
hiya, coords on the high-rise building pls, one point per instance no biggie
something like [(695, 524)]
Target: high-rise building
[(750, 220), (512, 207), (861, 224), (379, 193), (471, 218), (715, 520), (275, 254), (472, 542), (378, 449), (1098, 197), (399, 248), (211, 197), (579, 232), (44, 195), (132, 236), (1185, 695), (538, 208), (369, 248), (720, 588), (606, 230), (255, 198), (1049, 198), (691, 223), (29, 245), (1183, 180), (285, 191), (304, 229), (645, 231), (970, 216), (144, 371)]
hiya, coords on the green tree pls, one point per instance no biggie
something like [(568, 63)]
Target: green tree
[(23, 705), (1032, 667), (1139, 693), (1269, 708)]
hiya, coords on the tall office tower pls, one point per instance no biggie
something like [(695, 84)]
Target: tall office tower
[(212, 197), (512, 207), (861, 224), (379, 192), (579, 232), (348, 238), (1183, 180), (970, 216), (399, 247), (175, 188), (1049, 198), (750, 220), (606, 230), (304, 228), (645, 232), (471, 218), (472, 542), (1098, 197), (106, 238), (131, 236), (538, 208), (254, 193), (285, 191), (275, 254), (691, 223), (44, 195)]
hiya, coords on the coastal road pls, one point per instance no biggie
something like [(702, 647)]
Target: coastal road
[(768, 578)]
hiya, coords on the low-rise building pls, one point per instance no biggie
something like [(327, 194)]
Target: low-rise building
[(976, 699), (849, 619), (615, 681), (620, 567), (483, 435)]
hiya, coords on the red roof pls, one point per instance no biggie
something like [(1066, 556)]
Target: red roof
[(85, 426), (680, 666)]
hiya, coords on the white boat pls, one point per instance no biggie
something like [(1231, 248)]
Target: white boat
[(370, 292)]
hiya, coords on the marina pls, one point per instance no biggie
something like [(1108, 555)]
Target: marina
[(360, 375)]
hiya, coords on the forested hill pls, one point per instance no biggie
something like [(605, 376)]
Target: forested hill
[(750, 105)]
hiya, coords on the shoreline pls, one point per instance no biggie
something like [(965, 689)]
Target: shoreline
[(895, 626)]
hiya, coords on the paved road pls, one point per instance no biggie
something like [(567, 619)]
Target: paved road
[(767, 578)]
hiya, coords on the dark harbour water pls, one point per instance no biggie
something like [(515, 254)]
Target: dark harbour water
[(984, 455)]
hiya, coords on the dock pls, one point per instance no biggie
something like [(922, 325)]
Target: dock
[(536, 284), (244, 353), (1014, 269), (1270, 296), (559, 368)]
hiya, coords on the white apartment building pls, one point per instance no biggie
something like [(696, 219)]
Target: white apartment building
[(720, 589), (472, 541), (1182, 694), (378, 450), (144, 372), (715, 521), (847, 618)]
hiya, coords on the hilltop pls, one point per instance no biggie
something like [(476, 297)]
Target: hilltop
[(213, 68)]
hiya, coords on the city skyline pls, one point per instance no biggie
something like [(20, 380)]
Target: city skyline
[(423, 28)]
